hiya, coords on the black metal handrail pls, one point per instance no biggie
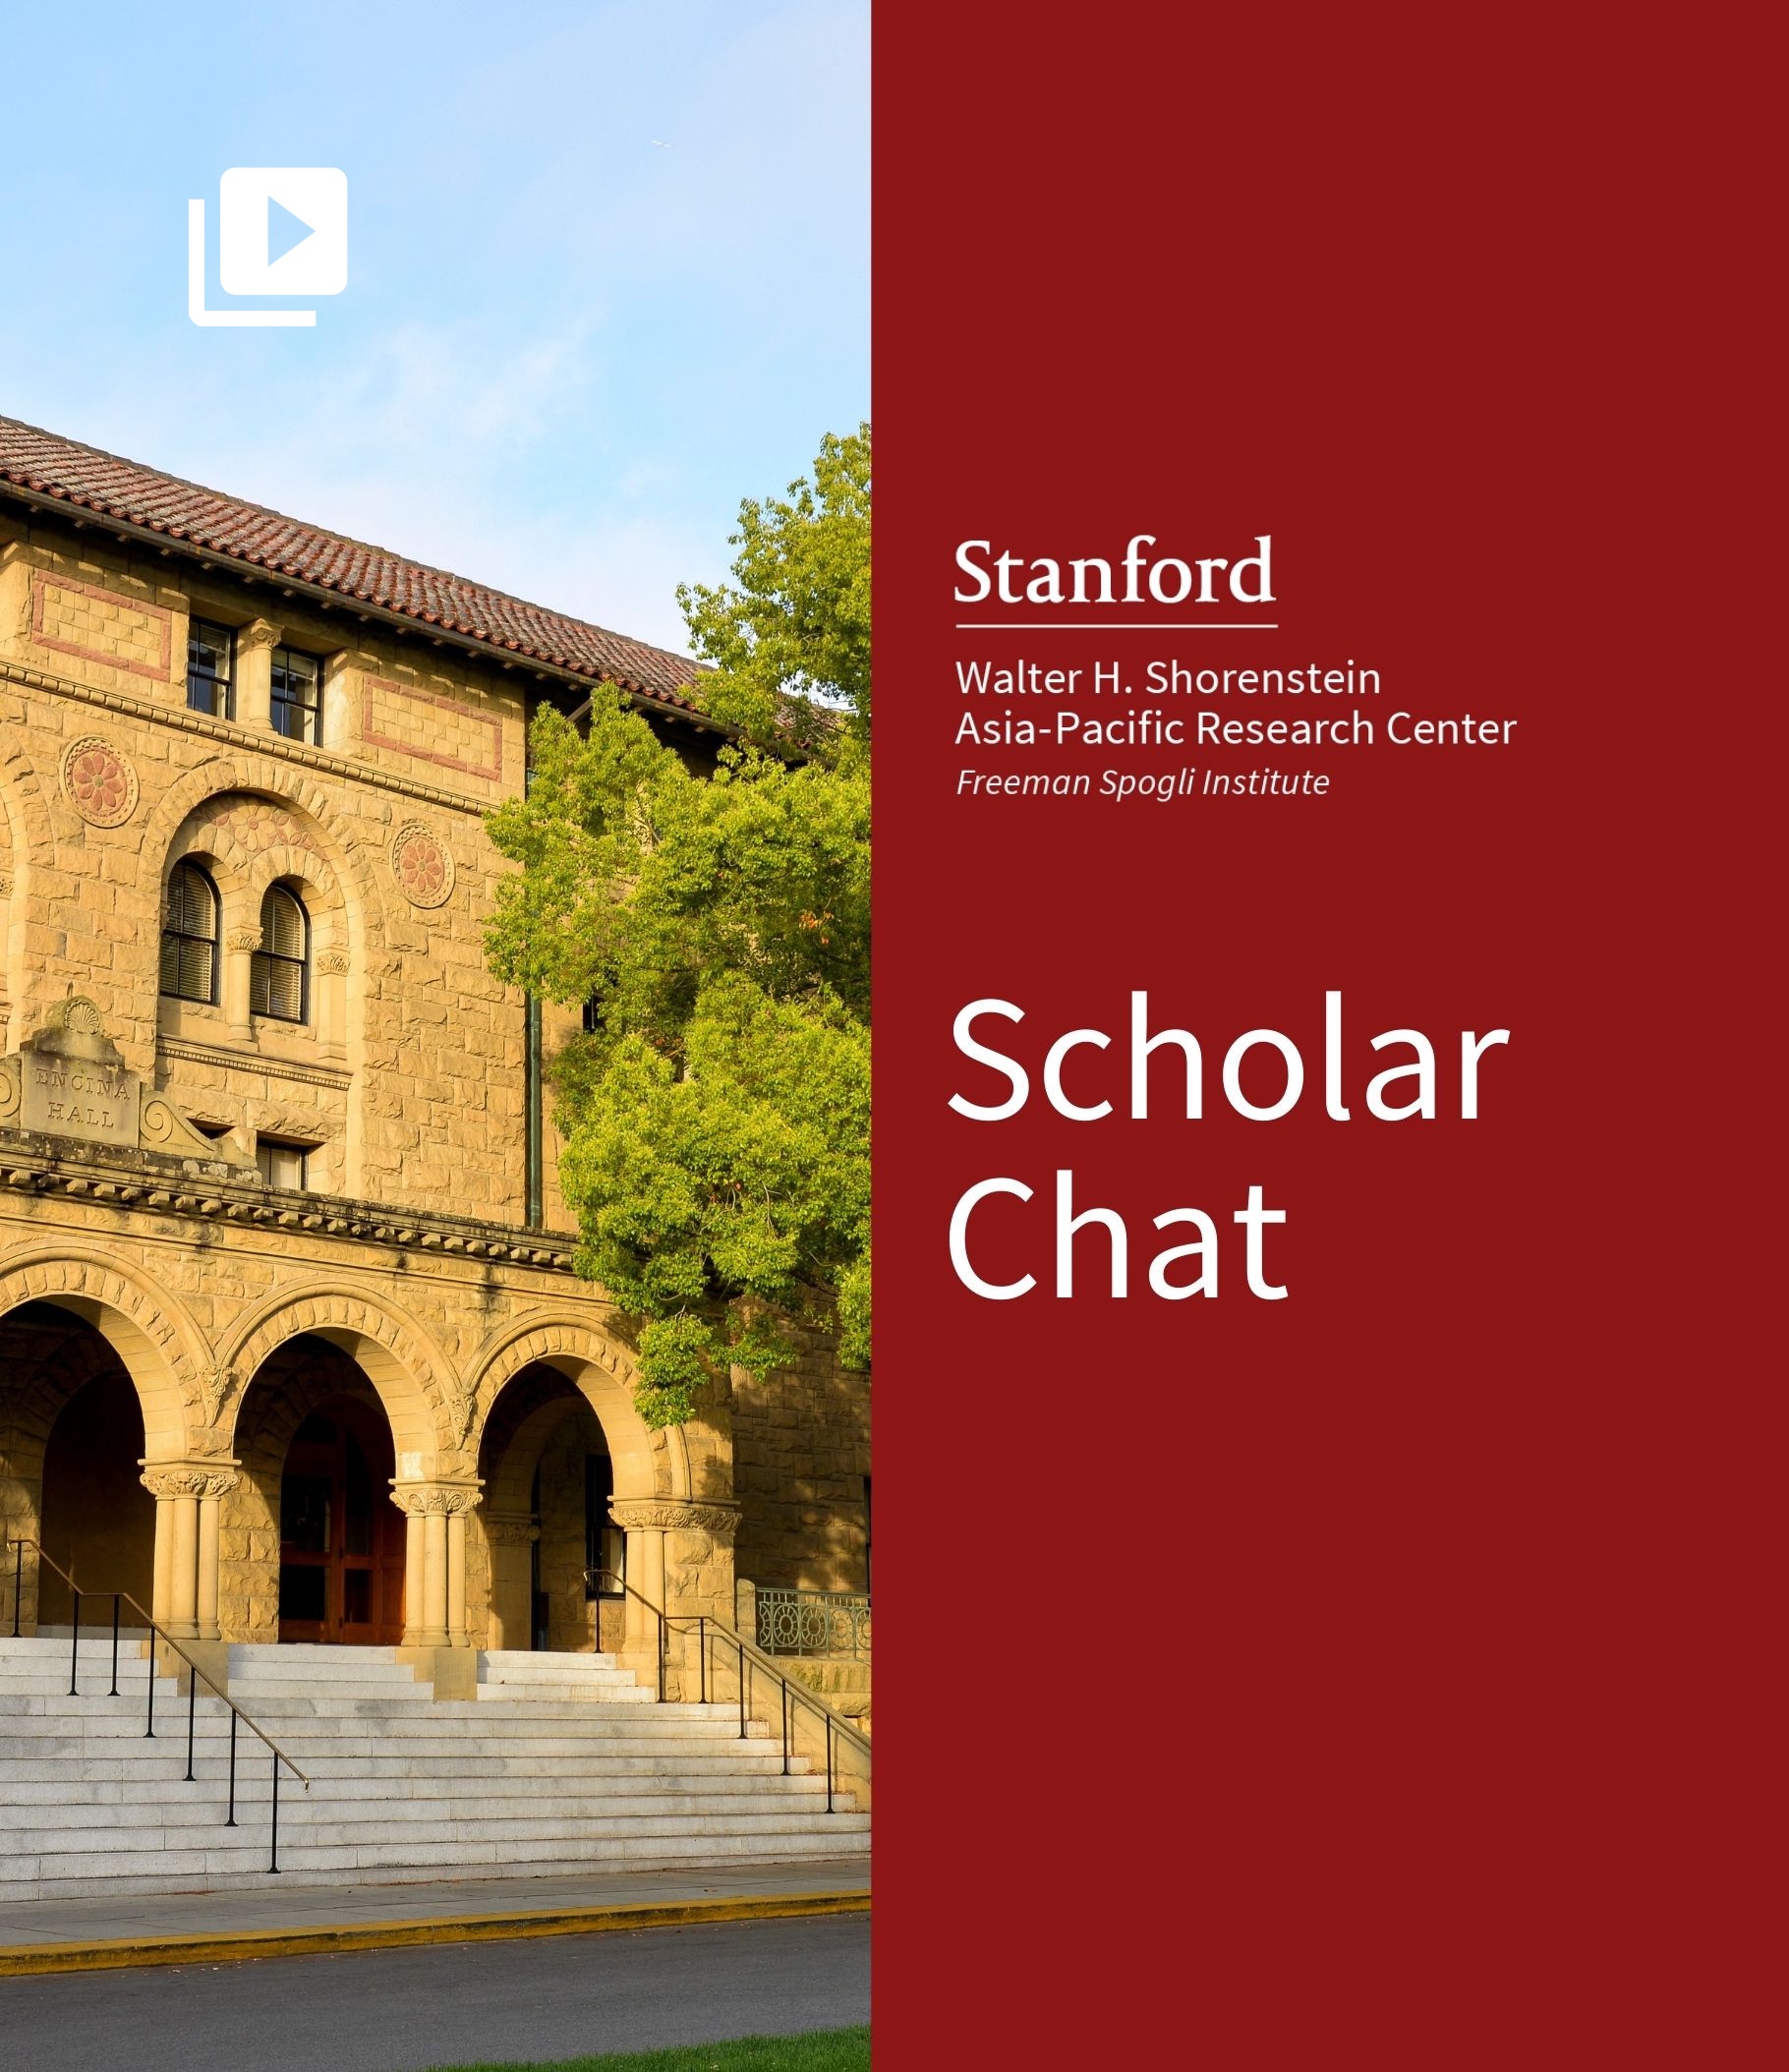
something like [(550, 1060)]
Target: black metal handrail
[(749, 1658), (119, 1599)]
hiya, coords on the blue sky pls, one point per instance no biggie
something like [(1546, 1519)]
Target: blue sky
[(608, 268)]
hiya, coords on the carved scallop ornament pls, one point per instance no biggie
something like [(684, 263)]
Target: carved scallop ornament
[(422, 865), (98, 781)]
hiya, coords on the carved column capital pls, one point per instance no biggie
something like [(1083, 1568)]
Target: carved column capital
[(258, 633), (331, 964), (427, 1498), (172, 1478), (675, 1514), (242, 938), (509, 1529)]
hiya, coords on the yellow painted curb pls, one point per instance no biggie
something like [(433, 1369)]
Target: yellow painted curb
[(19, 1960)]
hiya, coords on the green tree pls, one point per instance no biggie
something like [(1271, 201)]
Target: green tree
[(791, 641), (717, 1118)]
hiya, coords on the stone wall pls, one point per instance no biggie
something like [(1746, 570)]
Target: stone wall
[(406, 1250), (408, 1072), (801, 1466)]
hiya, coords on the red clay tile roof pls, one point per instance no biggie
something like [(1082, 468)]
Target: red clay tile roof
[(224, 526)]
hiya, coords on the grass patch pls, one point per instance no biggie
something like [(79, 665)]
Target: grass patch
[(824, 2050)]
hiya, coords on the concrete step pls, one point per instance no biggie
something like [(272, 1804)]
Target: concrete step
[(314, 1652), (477, 1716), (588, 1691), (556, 1762), (170, 1796), (401, 1828), (511, 1664), (26, 1778), (245, 1869), (91, 1637)]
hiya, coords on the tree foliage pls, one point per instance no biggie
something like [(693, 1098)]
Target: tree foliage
[(791, 640), (716, 1115)]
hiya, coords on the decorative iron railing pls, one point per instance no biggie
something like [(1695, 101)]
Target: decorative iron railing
[(713, 1642), (813, 1622)]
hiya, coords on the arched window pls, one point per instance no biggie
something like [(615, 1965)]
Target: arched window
[(188, 937), (279, 970)]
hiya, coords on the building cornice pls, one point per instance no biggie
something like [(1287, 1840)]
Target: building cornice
[(260, 740), (212, 560), (237, 1059), (92, 1180)]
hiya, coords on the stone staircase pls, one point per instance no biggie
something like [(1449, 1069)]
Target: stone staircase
[(560, 1763)]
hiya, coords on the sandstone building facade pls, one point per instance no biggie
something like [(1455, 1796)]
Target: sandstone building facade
[(290, 1346)]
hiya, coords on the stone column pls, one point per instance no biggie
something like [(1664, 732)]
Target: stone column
[(435, 1578), (254, 645), (510, 1535), (412, 1574), (434, 1608), (330, 978), (161, 1596), (340, 726), (238, 948), (186, 1589), (216, 1486), (176, 1493), (456, 1578), (679, 1561)]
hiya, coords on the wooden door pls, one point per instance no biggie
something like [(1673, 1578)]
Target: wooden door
[(341, 1551)]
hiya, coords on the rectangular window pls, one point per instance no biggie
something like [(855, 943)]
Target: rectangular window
[(282, 1165), (297, 696), (212, 670)]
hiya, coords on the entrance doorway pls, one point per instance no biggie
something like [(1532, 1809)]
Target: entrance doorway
[(341, 1539), (98, 1520)]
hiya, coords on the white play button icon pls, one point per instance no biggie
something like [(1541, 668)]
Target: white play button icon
[(283, 230)]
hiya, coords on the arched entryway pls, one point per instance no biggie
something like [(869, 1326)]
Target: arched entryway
[(554, 1559), (341, 1543), (71, 1454), (313, 1547)]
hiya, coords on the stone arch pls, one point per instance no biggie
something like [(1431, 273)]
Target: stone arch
[(248, 843), (34, 1394), (414, 1379), (645, 1463), (163, 1350), (284, 786), (285, 863), (506, 1487), (274, 1404)]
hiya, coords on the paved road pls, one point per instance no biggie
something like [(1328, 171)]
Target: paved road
[(449, 2004)]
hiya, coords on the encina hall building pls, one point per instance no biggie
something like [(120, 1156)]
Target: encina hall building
[(290, 1345)]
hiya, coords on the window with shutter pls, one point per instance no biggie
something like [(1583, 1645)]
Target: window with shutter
[(188, 937), (278, 969)]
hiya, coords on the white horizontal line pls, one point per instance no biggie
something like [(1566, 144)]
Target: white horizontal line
[(1094, 625)]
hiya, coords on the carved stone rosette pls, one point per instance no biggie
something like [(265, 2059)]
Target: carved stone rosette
[(421, 864), (674, 1514), (98, 781)]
